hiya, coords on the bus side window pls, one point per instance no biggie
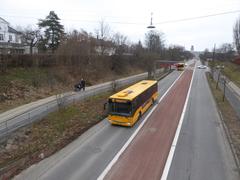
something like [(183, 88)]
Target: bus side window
[(134, 105), (109, 105)]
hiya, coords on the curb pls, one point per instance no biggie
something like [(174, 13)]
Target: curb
[(227, 134), (229, 138), (164, 75)]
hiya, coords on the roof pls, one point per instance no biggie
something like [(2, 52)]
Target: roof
[(133, 91), (4, 20), (11, 30)]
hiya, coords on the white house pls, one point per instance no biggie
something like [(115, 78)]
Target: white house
[(108, 51), (10, 39)]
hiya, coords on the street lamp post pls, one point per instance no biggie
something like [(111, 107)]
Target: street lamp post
[(219, 74), (213, 61), (151, 26)]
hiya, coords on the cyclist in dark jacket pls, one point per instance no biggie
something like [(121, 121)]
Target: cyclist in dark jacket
[(82, 84)]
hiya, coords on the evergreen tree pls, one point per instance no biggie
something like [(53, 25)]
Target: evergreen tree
[(53, 32)]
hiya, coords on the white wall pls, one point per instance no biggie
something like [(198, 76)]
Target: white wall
[(4, 31)]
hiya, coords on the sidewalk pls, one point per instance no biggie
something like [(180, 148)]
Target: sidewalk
[(23, 108), (27, 107), (28, 113)]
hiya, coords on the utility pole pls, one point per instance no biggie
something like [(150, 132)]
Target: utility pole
[(213, 60), (220, 74), (224, 87)]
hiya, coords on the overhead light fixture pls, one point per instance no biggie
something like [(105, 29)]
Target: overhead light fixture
[(151, 26)]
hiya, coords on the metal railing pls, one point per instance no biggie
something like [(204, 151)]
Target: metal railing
[(37, 112), (224, 84)]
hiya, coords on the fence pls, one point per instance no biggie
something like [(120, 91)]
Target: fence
[(225, 85), (15, 120)]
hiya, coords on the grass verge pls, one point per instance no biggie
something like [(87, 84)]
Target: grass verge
[(31, 144), (231, 70), (19, 86), (229, 117)]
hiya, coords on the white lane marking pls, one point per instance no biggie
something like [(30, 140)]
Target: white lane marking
[(116, 157), (174, 143)]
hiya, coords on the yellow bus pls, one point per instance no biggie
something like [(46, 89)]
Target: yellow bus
[(128, 105), (180, 66)]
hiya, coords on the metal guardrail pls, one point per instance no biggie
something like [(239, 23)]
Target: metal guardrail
[(33, 114)]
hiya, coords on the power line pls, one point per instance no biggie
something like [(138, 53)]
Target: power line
[(199, 17), (136, 23), (76, 20), (91, 13)]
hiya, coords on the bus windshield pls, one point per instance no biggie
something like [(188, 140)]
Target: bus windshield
[(120, 108)]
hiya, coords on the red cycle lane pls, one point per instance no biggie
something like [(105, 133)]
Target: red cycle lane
[(146, 155)]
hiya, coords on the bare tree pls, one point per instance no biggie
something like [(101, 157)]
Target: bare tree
[(120, 42), (31, 37), (236, 35), (225, 48), (154, 41), (176, 52), (155, 45), (77, 43), (103, 33), (225, 52), (137, 49)]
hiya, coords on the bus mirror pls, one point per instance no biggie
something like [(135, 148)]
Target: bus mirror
[(105, 106)]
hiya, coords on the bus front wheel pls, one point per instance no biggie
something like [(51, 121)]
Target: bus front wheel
[(153, 101), (139, 115)]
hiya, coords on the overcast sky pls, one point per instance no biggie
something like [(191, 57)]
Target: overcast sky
[(131, 17)]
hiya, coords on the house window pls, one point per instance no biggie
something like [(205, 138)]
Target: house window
[(1, 37), (17, 39), (10, 37)]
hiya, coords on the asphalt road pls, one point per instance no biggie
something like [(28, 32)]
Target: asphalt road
[(146, 155), (202, 151), (88, 156)]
